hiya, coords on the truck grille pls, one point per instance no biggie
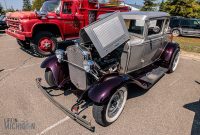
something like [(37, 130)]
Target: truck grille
[(77, 74), (13, 23)]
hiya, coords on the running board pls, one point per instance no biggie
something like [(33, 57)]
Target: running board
[(147, 80), (69, 113)]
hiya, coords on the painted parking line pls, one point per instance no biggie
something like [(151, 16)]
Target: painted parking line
[(26, 66), (4, 50), (174, 82), (54, 125), (5, 37)]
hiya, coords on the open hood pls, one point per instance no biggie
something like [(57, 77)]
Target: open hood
[(106, 34), (22, 15)]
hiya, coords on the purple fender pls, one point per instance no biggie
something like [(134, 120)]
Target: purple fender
[(59, 70), (100, 93), (169, 51)]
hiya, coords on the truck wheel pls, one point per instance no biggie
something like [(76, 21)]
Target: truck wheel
[(50, 78), (108, 113), (44, 44), (174, 61), (176, 33), (23, 44)]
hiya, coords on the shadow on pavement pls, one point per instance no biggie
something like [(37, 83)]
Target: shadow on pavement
[(61, 45), (136, 92), (29, 51), (197, 82), (195, 107)]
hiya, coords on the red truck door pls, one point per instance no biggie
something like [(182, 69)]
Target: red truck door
[(70, 22)]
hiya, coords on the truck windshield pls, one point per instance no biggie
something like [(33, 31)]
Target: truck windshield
[(50, 6)]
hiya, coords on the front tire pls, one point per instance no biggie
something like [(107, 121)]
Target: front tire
[(44, 44), (108, 113), (50, 78)]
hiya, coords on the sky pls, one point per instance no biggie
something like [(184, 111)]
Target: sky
[(17, 4)]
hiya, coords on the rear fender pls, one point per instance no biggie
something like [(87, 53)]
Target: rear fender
[(101, 92), (168, 52), (59, 70)]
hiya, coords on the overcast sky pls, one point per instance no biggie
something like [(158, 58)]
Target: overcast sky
[(17, 4)]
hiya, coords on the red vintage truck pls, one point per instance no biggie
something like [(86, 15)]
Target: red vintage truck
[(57, 19)]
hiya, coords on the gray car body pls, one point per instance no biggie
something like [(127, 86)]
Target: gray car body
[(145, 50)]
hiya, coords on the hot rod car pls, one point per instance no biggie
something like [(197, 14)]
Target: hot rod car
[(116, 50)]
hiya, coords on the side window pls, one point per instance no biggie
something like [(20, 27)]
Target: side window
[(193, 22), (135, 27), (155, 27), (174, 23), (185, 23), (67, 8)]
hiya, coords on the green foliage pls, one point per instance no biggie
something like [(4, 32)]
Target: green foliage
[(1, 9), (37, 4), (149, 5), (185, 8), (162, 4), (26, 5)]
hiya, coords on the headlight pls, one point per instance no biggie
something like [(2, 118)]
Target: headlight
[(87, 65), (60, 55)]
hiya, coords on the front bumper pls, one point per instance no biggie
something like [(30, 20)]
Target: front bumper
[(19, 35), (69, 113)]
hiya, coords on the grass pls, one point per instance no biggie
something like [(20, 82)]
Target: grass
[(188, 44)]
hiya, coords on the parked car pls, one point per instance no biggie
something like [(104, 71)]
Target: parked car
[(57, 20), (185, 26), (117, 50), (3, 24)]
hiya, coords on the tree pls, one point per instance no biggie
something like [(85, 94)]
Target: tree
[(185, 8), (162, 4), (37, 4), (26, 5), (1, 9), (149, 5)]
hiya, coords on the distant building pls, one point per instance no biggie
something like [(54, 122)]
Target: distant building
[(134, 6), (129, 3)]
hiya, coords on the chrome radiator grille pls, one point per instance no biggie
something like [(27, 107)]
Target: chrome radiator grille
[(13, 23), (77, 75)]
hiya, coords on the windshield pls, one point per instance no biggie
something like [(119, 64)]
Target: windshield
[(50, 6), (135, 27)]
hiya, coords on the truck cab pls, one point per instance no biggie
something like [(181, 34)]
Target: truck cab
[(57, 19)]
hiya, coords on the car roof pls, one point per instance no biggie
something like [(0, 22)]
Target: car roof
[(183, 18), (143, 15)]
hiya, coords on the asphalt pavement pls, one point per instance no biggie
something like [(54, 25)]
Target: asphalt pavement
[(170, 107)]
